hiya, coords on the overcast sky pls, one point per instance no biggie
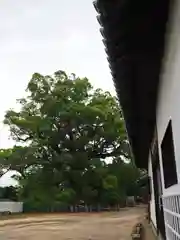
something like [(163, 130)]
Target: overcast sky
[(45, 36)]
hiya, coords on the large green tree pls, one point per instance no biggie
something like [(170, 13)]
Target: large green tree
[(65, 129), (65, 115)]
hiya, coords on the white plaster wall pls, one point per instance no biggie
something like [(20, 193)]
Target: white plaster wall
[(152, 202), (13, 207), (169, 92)]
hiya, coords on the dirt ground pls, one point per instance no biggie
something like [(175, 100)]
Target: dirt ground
[(92, 226)]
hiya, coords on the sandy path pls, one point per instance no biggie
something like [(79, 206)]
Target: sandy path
[(104, 226)]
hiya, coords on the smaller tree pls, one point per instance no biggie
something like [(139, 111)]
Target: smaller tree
[(111, 194)]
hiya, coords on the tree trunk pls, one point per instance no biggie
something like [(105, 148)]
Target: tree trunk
[(71, 209), (90, 208), (86, 208), (75, 209), (98, 207)]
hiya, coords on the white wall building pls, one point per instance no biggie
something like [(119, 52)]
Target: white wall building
[(168, 131), (142, 41), (11, 207)]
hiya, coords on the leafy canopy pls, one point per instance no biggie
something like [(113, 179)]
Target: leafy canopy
[(64, 130)]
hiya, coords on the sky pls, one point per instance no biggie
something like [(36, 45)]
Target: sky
[(45, 36)]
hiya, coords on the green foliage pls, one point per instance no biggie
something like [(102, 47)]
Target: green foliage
[(9, 193), (66, 196), (68, 129)]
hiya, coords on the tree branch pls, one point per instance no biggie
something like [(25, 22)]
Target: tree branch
[(24, 139)]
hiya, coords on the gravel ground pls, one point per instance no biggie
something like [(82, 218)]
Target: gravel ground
[(92, 226)]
